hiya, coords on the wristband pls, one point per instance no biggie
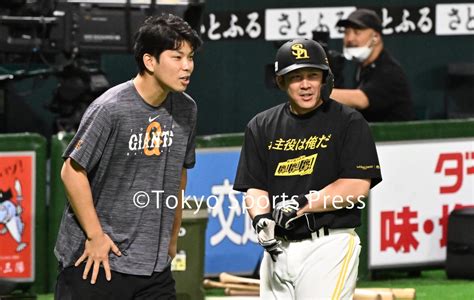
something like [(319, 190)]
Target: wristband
[(302, 201)]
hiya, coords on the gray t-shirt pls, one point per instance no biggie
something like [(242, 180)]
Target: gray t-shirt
[(133, 154)]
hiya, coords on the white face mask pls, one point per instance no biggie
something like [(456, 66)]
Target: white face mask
[(359, 54)]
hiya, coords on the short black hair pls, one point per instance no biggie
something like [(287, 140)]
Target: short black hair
[(160, 33)]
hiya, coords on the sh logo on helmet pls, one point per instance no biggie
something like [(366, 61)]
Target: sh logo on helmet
[(299, 51)]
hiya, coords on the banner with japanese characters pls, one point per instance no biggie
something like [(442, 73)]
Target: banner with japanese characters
[(423, 181), (17, 215), (231, 243), (232, 25), (278, 24), (455, 19), (289, 23)]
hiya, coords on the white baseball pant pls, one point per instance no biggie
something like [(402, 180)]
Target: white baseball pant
[(316, 268)]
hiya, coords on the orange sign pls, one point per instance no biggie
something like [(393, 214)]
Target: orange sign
[(17, 215)]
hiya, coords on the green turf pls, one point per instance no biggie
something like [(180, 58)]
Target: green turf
[(431, 285)]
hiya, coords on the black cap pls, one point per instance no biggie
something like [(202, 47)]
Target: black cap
[(362, 18), (300, 53)]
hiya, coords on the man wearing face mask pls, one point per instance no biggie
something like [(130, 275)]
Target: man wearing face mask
[(382, 93)]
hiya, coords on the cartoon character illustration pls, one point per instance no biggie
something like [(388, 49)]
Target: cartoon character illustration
[(10, 215)]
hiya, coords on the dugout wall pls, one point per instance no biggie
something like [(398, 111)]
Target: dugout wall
[(439, 154)]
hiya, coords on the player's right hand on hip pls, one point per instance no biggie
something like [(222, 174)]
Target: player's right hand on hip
[(265, 229), (284, 213), (96, 251)]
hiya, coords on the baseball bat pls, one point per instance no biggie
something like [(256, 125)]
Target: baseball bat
[(360, 294), (386, 295), (229, 278), (235, 286), (400, 294), (232, 292), (382, 294), (363, 294), (404, 294)]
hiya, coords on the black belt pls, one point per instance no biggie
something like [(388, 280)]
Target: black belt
[(304, 229)]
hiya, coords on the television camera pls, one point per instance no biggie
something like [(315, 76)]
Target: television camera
[(68, 37)]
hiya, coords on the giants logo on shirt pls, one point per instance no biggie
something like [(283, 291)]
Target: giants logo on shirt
[(152, 141)]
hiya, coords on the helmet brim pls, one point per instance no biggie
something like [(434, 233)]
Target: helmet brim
[(300, 66)]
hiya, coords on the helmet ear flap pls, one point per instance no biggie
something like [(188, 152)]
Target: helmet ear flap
[(326, 88)]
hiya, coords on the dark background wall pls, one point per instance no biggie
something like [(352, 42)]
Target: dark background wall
[(228, 82)]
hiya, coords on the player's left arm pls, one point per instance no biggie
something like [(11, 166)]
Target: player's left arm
[(339, 194), (355, 98), (173, 247)]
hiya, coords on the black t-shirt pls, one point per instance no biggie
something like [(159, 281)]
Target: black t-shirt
[(385, 84), (286, 153)]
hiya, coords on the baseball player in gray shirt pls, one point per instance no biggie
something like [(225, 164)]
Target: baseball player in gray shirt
[(124, 172)]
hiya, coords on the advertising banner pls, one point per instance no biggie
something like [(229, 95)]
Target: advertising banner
[(231, 244), (17, 215), (423, 181)]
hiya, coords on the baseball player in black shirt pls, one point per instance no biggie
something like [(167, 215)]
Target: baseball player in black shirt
[(306, 166)]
